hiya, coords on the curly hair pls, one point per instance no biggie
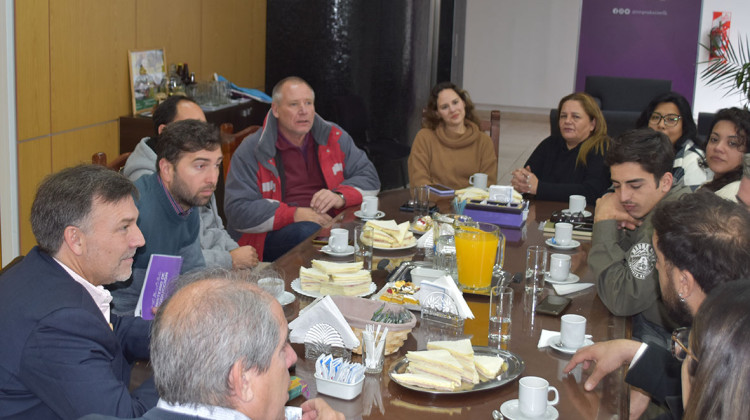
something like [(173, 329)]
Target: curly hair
[(432, 119), (741, 120)]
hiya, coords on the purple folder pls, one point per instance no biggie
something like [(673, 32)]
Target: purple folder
[(162, 269)]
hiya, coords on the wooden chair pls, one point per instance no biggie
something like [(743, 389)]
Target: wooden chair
[(230, 141), (100, 158), (492, 127)]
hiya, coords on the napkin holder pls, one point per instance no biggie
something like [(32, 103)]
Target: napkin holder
[(324, 339), (440, 308), (504, 215)]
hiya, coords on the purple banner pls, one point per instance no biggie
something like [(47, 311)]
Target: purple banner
[(652, 39)]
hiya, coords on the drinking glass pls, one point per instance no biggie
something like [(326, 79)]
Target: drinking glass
[(363, 239), (501, 308), (536, 266)]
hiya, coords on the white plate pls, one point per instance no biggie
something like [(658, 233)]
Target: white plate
[(586, 213), (573, 244), (326, 249), (512, 411), (572, 278), (408, 306), (418, 232), (411, 245), (297, 287), (378, 215), (556, 344), (286, 298)]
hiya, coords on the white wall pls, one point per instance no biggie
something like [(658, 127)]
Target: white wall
[(710, 99), (8, 161), (521, 54)]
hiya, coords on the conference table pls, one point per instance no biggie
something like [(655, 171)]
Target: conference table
[(382, 398)]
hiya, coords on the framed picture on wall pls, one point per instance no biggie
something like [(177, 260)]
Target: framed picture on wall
[(147, 70)]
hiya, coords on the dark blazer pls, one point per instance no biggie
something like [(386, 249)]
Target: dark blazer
[(60, 358), (659, 373), (153, 414)]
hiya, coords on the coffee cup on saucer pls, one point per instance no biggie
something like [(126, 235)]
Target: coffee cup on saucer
[(559, 267), (338, 240)]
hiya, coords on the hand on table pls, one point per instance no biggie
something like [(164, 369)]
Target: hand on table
[(324, 200), (244, 257), (317, 408), (524, 181), (609, 208), (607, 355), (306, 214)]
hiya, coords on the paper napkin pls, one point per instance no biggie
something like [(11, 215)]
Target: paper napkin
[(322, 311), (445, 284), (566, 289)]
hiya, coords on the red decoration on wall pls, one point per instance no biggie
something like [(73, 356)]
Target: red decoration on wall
[(719, 35)]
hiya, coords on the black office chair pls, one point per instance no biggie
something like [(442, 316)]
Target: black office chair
[(351, 114)]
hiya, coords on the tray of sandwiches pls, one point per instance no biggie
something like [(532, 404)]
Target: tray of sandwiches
[(330, 278), (456, 367), (391, 236)]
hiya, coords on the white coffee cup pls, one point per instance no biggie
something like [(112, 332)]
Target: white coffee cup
[(559, 266), (501, 193), (532, 396), (369, 206), (563, 233), (576, 203), (572, 331), (338, 240), (478, 180)]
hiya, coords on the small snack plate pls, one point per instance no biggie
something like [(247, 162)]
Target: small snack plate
[(572, 245), (297, 287), (556, 343), (339, 389), (326, 249), (378, 215), (572, 278), (384, 290)]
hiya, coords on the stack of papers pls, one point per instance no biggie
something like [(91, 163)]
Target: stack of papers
[(322, 311)]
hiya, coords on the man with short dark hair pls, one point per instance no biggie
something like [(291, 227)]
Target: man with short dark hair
[(232, 338), (622, 257), (63, 354), (701, 241), (219, 249), (289, 179), (189, 159)]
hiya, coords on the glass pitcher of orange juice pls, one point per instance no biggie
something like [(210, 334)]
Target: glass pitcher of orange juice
[(480, 247)]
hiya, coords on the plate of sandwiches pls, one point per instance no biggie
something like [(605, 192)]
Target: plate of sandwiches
[(456, 367), (391, 236), (336, 279)]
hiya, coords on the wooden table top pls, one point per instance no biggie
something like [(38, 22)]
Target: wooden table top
[(383, 399)]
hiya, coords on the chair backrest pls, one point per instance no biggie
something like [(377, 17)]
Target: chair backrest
[(704, 124), (100, 158), (492, 126), (618, 122), (624, 93), (230, 141)]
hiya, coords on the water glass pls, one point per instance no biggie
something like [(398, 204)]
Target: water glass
[(536, 267), (421, 197), (363, 238), (501, 309), (445, 256)]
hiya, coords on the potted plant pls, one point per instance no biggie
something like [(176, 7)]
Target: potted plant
[(731, 71)]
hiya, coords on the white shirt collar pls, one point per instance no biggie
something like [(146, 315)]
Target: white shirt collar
[(200, 410), (101, 296)]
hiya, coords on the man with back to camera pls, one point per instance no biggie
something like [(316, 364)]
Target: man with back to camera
[(219, 249), (289, 179), (63, 354), (701, 241), (622, 256), (189, 160), (233, 339)]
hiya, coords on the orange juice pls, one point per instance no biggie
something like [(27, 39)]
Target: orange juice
[(475, 254)]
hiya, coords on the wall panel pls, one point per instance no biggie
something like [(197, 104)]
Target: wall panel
[(234, 40), (89, 40), (32, 68), (173, 25), (34, 162), (76, 147)]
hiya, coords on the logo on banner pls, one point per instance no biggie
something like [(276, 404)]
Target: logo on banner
[(641, 260), (620, 11)]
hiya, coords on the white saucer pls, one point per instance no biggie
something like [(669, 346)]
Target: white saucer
[(378, 215), (573, 244), (326, 249), (586, 213), (572, 278), (512, 411), (286, 298), (556, 344)]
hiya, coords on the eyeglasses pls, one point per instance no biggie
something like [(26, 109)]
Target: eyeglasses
[(679, 350), (670, 120)]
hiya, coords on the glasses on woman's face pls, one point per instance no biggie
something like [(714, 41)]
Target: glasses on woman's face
[(670, 120), (680, 351)]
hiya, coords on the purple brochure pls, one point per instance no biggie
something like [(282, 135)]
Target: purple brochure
[(162, 269)]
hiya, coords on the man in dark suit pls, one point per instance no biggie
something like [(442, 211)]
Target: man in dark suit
[(63, 354), (701, 241), (220, 350)]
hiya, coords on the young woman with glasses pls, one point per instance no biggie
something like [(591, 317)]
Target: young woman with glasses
[(670, 113)]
